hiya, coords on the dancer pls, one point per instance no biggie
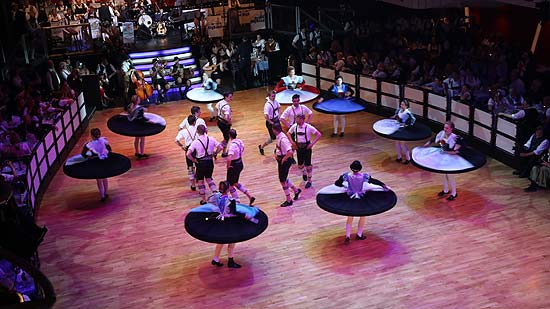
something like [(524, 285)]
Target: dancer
[(406, 118), (195, 111), (340, 90), (224, 119), (285, 159), (98, 147), (293, 81), (235, 167), (201, 152), (271, 115), (288, 117), (300, 135), (136, 113), (209, 84), (448, 142), (354, 183), (227, 208), (188, 134)]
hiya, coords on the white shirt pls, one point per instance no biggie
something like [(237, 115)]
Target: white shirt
[(188, 134), (99, 147), (236, 149), (203, 146), (184, 124), (450, 141), (282, 144), (292, 112), (303, 132), (272, 108), (224, 109)]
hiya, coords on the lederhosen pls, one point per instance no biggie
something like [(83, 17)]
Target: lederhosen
[(189, 162), (268, 125), (283, 168), (205, 164), (236, 167), (156, 77), (223, 124), (303, 153)]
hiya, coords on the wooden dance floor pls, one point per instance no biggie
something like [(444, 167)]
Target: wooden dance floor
[(487, 249)]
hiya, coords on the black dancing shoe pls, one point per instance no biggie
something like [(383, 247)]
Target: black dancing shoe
[(362, 237), (398, 160), (406, 162), (297, 194), (231, 264), (252, 199), (452, 197), (531, 188), (203, 202), (442, 193), (193, 188), (286, 204), (304, 177), (308, 184), (346, 241), (261, 150), (334, 135), (342, 134), (218, 264)]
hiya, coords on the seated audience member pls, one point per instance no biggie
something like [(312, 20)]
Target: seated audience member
[(498, 102), (531, 152), (540, 174), (436, 86)]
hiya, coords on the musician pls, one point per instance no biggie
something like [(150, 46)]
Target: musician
[(215, 68), (107, 69), (157, 73), (178, 73)]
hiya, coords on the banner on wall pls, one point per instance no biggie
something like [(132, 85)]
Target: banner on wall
[(244, 16), (257, 20), (215, 26), (128, 32)]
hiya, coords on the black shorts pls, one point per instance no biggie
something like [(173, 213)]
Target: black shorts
[(189, 162), (205, 168), (283, 168), (304, 156), (269, 127), (224, 127), (234, 172)]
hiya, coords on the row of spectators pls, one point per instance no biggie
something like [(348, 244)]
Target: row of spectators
[(448, 56)]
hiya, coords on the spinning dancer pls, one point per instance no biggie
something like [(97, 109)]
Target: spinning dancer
[(209, 84), (227, 208), (293, 81), (405, 118), (340, 90), (96, 161), (235, 167), (354, 183), (271, 115), (98, 147), (136, 112), (188, 134), (285, 159), (224, 119), (288, 118), (300, 134), (448, 142), (202, 152)]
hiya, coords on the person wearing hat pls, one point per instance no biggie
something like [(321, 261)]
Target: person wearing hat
[(353, 181), (300, 135), (285, 158)]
